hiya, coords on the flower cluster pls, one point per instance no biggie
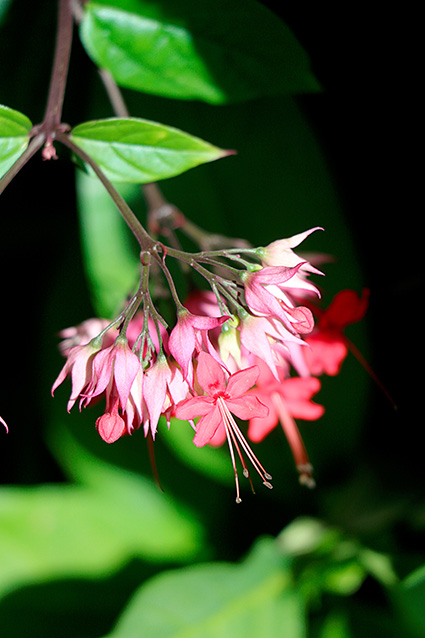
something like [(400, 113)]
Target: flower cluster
[(246, 348)]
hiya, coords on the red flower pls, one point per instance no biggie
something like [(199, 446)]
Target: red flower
[(328, 343)]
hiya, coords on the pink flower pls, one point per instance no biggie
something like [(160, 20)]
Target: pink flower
[(115, 372), (83, 333), (286, 399), (177, 390), (135, 327), (215, 408), (259, 336), (188, 333), (115, 369), (280, 253), (111, 426), (266, 296), (156, 382), (79, 364)]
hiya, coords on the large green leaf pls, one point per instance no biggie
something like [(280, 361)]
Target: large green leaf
[(139, 151), (15, 128), (111, 264), (90, 528), (212, 50), (250, 599)]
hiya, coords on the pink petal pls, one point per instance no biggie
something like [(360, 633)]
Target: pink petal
[(155, 390), (325, 355), (207, 427), (297, 393), (181, 344), (210, 374), (300, 389), (111, 427), (102, 366), (126, 367), (191, 408), (247, 407), (81, 375), (219, 437), (295, 240), (240, 382), (254, 339), (275, 274), (303, 319), (177, 386), (206, 323), (260, 427)]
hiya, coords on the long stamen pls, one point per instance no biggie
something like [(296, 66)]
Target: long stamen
[(232, 454), (265, 476), (292, 433), (229, 428)]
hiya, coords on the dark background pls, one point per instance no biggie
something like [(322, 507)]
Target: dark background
[(367, 124)]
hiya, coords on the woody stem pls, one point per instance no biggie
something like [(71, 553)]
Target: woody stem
[(53, 113)]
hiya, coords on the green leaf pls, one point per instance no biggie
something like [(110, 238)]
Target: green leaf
[(88, 529), (212, 50), (15, 128), (139, 151), (410, 600), (4, 6), (112, 267), (328, 561), (250, 599)]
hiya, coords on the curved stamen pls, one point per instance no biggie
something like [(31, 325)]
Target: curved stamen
[(234, 434)]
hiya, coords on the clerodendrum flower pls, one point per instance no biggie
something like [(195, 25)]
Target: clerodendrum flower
[(267, 295), (114, 371), (189, 330), (79, 364), (280, 253), (287, 398), (222, 399), (328, 345), (247, 348)]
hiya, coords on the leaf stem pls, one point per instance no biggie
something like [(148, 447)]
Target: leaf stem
[(35, 144)]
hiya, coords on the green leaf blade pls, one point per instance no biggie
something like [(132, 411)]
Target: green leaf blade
[(139, 151), (191, 52), (119, 41), (92, 527), (250, 599), (15, 130)]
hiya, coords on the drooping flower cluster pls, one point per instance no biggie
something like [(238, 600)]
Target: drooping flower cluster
[(247, 348)]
